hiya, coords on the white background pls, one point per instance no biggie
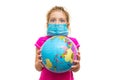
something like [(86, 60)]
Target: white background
[(95, 23)]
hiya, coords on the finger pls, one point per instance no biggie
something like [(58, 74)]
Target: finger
[(73, 68), (39, 57), (40, 62), (76, 62), (78, 56), (38, 51), (78, 52)]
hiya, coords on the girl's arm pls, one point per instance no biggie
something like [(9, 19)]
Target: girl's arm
[(38, 61)]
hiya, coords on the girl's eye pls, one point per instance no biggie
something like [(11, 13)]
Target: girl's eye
[(61, 20), (52, 20)]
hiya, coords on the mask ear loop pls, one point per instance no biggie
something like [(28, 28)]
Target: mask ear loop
[(69, 29), (46, 27)]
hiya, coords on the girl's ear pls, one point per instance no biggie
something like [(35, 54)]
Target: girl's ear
[(68, 25), (47, 24)]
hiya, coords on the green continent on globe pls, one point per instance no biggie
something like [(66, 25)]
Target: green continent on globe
[(48, 63), (69, 56)]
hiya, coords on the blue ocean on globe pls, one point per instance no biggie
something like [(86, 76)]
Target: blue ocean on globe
[(58, 53)]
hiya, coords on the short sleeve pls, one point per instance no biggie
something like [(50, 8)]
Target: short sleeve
[(75, 42), (40, 42)]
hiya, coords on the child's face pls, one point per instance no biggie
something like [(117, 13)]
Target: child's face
[(57, 17)]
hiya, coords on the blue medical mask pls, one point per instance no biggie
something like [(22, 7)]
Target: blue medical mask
[(57, 29)]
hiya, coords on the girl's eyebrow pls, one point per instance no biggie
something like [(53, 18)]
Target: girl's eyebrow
[(62, 18), (52, 18)]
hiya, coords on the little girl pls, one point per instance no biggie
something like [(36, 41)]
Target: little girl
[(57, 24)]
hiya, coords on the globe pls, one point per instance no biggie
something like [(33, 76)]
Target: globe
[(58, 53)]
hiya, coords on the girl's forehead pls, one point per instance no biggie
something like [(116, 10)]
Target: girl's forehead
[(57, 14)]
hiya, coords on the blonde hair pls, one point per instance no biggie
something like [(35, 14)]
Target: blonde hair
[(61, 9)]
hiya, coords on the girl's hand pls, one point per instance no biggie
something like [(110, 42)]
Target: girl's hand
[(76, 63), (38, 61)]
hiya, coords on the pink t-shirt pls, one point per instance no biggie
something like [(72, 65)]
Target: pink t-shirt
[(46, 74)]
